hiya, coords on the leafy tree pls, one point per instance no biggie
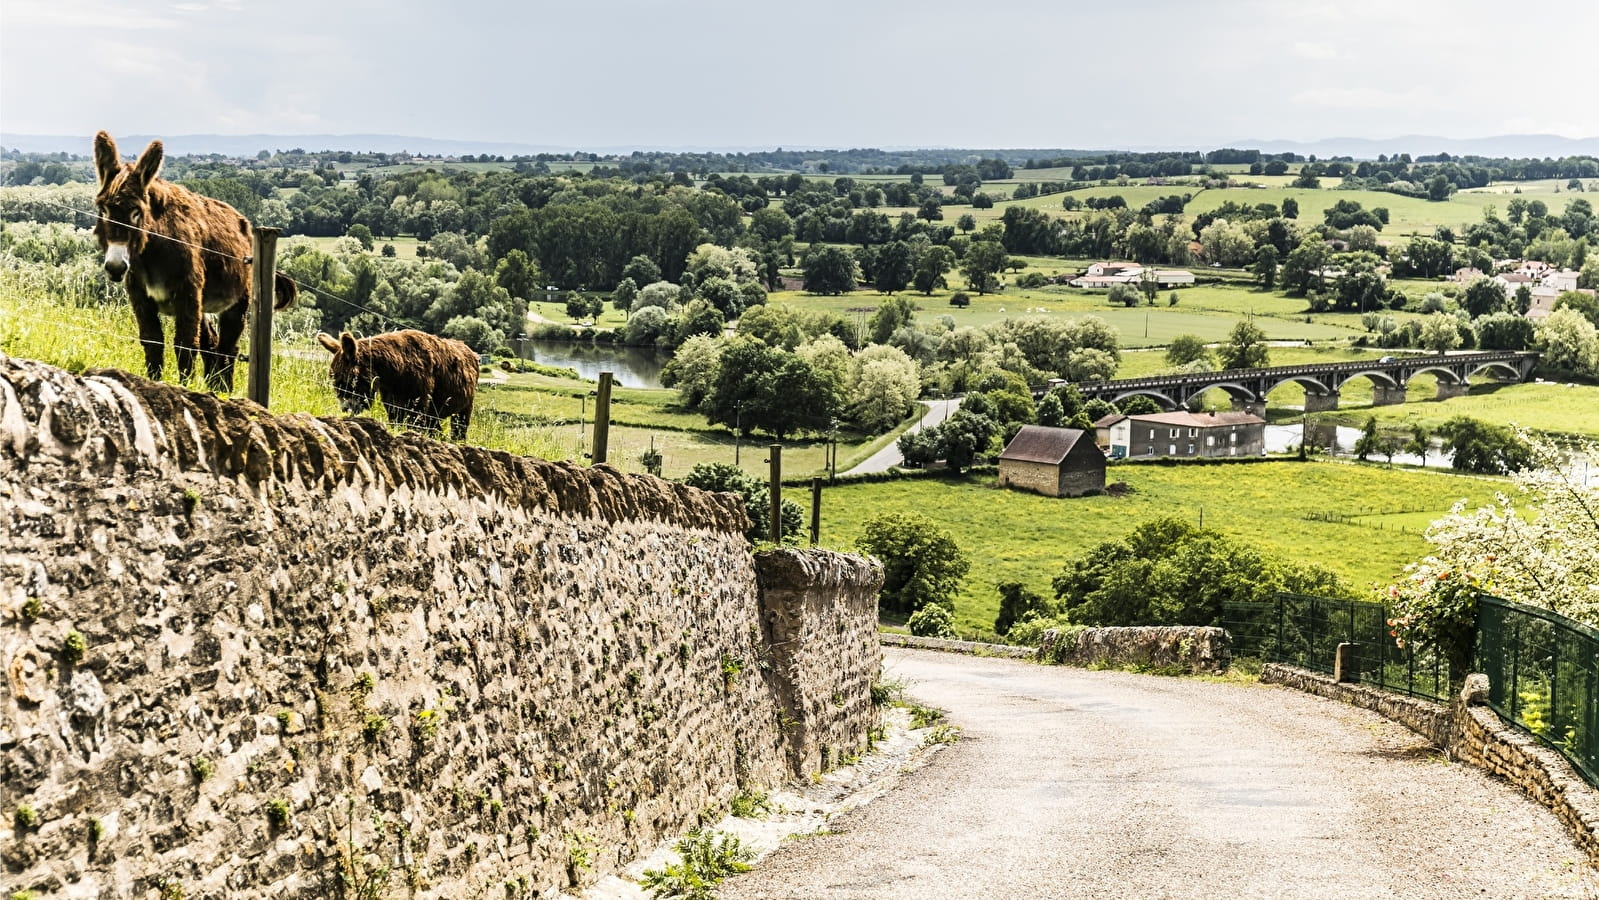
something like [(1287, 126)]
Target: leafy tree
[(642, 270), (1482, 448), (693, 369), (922, 564), (931, 620), (1265, 268), (829, 270), (1504, 331), (625, 295), (1290, 207), (760, 387), (1168, 572), (1125, 294), (1051, 414), (895, 313), (1185, 349), (1420, 443), (1569, 342), (1089, 364), (1245, 347), (1367, 443), (960, 300), (1483, 297), (728, 478), (932, 210), (966, 223), (983, 261), (1018, 604), (1139, 405), (886, 385), (895, 267), (646, 328), (930, 267)]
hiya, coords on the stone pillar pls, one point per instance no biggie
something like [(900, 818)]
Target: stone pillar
[(819, 614), (1346, 664), (1447, 389), (1382, 395), (1321, 402)]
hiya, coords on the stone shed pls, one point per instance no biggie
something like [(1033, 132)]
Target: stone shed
[(1057, 462)]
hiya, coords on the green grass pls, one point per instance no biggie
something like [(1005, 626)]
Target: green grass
[(1216, 311), (1015, 536), (1549, 406)]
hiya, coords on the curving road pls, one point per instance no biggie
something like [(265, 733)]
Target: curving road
[(889, 456), (1071, 783)]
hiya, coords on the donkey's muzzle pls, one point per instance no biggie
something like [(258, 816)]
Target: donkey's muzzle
[(115, 269)]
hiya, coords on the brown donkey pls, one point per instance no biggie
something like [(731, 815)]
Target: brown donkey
[(424, 380), (184, 255)]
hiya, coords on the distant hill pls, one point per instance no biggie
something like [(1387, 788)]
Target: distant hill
[(1510, 145), (1514, 146)]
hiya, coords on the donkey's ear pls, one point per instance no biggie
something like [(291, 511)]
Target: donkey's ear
[(106, 161), (327, 341), (347, 343), (149, 164)]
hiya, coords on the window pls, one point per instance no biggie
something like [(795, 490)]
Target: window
[(1176, 432), (1151, 434), (1210, 440), (1171, 450), (1234, 437), (1193, 431), (1190, 448)]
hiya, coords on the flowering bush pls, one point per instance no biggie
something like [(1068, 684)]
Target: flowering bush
[(1434, 605), (1544, 553)]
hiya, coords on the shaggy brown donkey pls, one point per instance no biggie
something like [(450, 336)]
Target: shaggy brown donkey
[(423, 379), (184, 255)]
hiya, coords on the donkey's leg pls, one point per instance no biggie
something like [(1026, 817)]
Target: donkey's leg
[(149, 322), (220, 359), (186, 331)]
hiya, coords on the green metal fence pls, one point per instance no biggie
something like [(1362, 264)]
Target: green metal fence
[(1543, 674), (1306, 631)]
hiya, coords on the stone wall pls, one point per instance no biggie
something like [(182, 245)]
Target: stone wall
[(257, 656), (1471, 732), (1186, 648)]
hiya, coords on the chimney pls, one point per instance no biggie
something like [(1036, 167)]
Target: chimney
[(1213, 414)]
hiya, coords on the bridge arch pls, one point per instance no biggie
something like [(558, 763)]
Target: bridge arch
[(1502, 369), (1378, 378), (1444, 374), (1166, 402), (1310, 383), (1242, 396)]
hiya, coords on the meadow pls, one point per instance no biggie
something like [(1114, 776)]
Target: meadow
[(1361, 521)]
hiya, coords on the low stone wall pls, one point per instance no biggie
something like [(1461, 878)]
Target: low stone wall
[(973, 648), (1183, 648), (249, 656), (1483, 739), (1471, 732), (1433, 721)]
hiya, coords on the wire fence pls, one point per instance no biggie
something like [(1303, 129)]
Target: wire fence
[(1306, 631), (420, 419), (1543, 675)]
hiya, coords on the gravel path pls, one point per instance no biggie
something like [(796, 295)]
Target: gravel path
[(1073, 783)]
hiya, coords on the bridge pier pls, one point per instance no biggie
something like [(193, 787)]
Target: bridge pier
[(1321, 402), (1382, 395), (1448, 389), (1253, 407)]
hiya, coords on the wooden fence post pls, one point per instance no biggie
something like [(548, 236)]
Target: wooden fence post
[(602, 419), (816, 510), (264, 270), (776, 490)]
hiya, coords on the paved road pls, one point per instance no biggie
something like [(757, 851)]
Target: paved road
[(1071, 783), (889, 456)]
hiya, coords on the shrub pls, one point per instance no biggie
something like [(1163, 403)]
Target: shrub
[(707, 857), (932, 620)]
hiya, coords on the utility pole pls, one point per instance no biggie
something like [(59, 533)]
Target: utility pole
[(263, 292)]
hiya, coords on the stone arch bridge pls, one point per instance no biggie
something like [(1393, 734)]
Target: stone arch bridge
[(1322, 382)]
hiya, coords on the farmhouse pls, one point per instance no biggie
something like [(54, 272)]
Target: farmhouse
[(1056, 462), (1105, 275), (1211, 434)]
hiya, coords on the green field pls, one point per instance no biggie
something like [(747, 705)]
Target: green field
[(1015, 536)]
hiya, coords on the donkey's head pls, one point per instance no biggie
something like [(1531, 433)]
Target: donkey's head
[(123, 202), (353, 378)]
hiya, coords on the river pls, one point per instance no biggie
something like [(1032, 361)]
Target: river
[(634, 367)]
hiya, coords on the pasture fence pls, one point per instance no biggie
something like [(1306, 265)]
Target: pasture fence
[(1542, 668), (1543, 675), (1305, 631), (275, 360)]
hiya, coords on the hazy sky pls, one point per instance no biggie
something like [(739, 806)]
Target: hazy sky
[(719, 73)]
